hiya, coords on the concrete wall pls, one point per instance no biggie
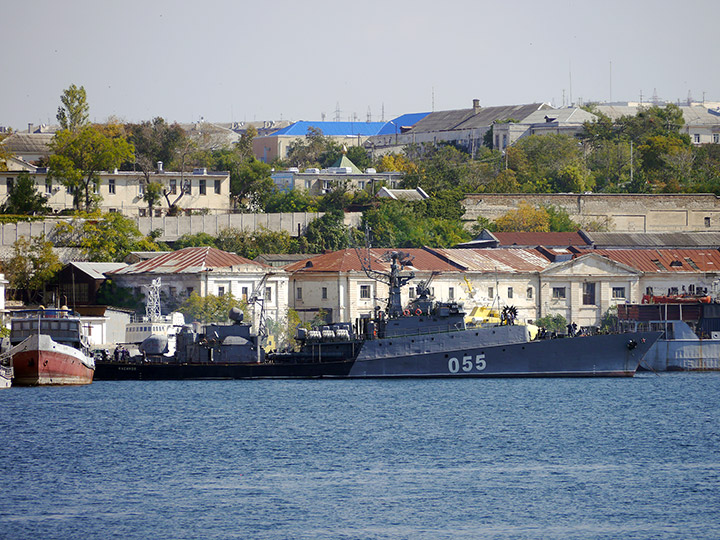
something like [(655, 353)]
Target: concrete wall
[(174, 227), (619, 212)]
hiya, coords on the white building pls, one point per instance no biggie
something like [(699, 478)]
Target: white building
[(122, 191), (210, 271)]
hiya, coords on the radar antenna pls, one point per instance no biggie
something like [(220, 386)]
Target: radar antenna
[(398, 261), (152, 300)]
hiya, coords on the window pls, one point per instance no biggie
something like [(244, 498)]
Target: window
[(673, 291), (411, 292), (451, 293), (324, 293), (202, 187), (649, 291), (141, 189), (308, 184), (217, 187), (365, 292), (497, 141), (618, 293), (589, 294), (504, 141), (188, 187), (529, 293), (707, 221), (696, 138), (111, 186), (298, 293), (268, 294), (48, 186), (142, 212), (510, 292), (173, 186), (491, 292), (10, 183), (716, 138), (221, 291), (558, 293), (245, 293), (189, 290), (361, 184), (173, 291)]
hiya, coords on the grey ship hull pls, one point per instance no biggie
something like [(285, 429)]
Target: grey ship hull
[(486, 352)]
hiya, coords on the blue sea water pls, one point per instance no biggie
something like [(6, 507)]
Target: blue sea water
[(340, 459)]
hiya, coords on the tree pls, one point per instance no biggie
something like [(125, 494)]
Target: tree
[(102, 237), (24, 198), (32, 265), (250, 244), (152, 195), (74, 111), (195, 240), (526, 218), (560, 220), (211, 308), (552, 323), (328, 232), (81, 151), (314, 150)]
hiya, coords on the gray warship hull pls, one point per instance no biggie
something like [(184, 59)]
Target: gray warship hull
[(484, 352)]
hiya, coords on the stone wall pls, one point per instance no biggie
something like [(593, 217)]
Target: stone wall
[(616, 211), (174, 227)]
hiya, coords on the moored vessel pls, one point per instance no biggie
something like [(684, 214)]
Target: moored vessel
[(691, 332), (424, 339), (49, 347)]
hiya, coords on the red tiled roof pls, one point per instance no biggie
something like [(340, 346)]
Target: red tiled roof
[(347, 260), (189, 260), (547, 239), (665, 260)]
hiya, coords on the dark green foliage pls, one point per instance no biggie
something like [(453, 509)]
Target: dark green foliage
[(24, 198), (552, 323), (109, 294)]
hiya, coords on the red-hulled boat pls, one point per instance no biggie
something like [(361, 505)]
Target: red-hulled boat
[(49, 347)]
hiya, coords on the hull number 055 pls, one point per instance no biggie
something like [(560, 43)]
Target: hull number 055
[(467, 365)]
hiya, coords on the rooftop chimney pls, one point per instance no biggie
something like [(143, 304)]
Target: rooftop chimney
[(160, 169), (476, 105), (30, 127)]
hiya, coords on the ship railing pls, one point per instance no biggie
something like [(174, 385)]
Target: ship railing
[(427, 330)]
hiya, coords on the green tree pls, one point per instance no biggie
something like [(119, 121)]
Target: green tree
[(211, 308), (559, 220), (315, 150), (328, 232), (79, 156), (74, 112), (31, 267), (195, 240), (294, 200), (152, 195), (102, 237), (24, 198), (359, 156), (552, 323)]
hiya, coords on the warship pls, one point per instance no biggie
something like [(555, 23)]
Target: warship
[(424, 339)]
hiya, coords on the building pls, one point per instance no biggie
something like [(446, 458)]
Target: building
[(199, 191), (335, 286), (342, 173), (79, 282), (209, 271), (702, 121), (268, 148)]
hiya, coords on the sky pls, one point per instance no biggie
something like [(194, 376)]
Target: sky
[(234, 61)]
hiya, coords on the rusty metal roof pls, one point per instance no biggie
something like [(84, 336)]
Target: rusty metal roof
[(665, 260), (191, 260), (676, 240), (347, 260), (506, 260)]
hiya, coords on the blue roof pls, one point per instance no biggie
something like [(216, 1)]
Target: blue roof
[(406, 120), (333, 129)]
